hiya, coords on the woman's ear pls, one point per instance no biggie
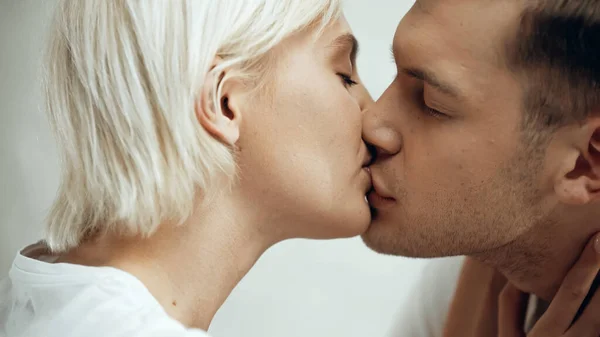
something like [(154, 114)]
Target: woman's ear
[(581, 185), (217, 107)]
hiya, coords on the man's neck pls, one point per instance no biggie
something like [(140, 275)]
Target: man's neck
[(192, 268), (538, 261)]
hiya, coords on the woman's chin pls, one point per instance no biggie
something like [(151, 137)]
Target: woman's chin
[(324, 220), (350, 223)]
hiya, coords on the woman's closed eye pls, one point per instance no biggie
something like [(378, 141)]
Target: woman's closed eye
[(347, 80)]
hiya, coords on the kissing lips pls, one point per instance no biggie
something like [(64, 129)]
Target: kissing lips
[(378, 198), (378, 201)]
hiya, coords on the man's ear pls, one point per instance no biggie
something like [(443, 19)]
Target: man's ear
[(218, 110), (581, 184)]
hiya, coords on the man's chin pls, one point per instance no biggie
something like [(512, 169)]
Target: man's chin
[(383, 238), (375, 246), (393, 241), (376, 240)]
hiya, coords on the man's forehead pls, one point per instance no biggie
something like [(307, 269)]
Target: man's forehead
[(480, 28), (426, 4), (423, 5), (496, 9), (453, 42)]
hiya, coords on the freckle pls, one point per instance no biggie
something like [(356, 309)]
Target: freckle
[(174, 303)]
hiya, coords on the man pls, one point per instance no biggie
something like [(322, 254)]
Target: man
[(488, 145)]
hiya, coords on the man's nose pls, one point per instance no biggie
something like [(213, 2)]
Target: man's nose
[(379, 133)]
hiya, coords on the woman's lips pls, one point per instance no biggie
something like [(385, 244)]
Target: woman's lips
[(367, 173)]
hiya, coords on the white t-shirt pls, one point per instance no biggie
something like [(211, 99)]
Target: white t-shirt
[(424, 314), (41, 299)]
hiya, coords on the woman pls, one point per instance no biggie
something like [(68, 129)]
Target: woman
[(194, 136)]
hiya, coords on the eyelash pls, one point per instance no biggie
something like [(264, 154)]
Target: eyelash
[(433, 112), (348, 81), (428, 110)]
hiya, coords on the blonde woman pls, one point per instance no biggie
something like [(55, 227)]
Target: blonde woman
[(195, 134)]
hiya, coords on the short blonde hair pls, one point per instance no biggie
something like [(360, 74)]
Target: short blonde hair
[(122, 78)]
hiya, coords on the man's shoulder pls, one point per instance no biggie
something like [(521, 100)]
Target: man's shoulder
[(437, 285), (444, 271), (424, 313)]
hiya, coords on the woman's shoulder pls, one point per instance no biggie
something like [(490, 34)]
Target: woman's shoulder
[(45, 299)]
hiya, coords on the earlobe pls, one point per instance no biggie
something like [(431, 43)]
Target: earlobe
[(217, 116)]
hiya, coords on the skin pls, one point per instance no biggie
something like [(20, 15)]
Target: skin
[(301, 149), (302, 174), (453, 174)]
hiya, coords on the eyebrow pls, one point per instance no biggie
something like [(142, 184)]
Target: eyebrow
[(347, 42), (434, 81), (428, 77)]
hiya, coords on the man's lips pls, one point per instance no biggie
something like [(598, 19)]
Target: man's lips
[(378, 197), (380, 189), (378, 201)]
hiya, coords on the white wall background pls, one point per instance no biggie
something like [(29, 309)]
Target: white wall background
[(299, 288)]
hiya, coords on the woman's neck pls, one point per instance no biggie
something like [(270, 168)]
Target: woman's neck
[(190, 269)]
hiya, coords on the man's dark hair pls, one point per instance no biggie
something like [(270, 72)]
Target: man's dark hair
[(556, 53)]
